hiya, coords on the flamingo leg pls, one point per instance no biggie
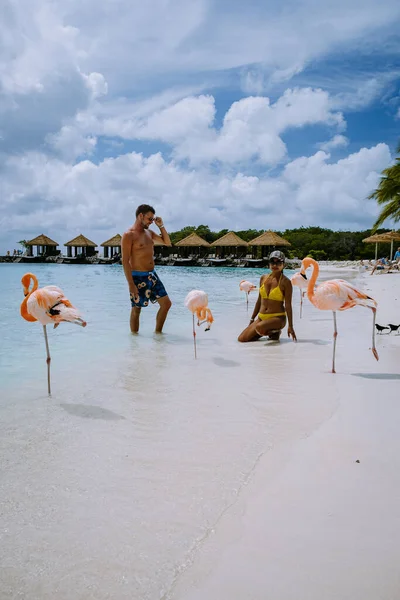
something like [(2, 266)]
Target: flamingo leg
[(301, 303), (334, 341), (194, 338), (48, 360), (374, 350), (247, 300)]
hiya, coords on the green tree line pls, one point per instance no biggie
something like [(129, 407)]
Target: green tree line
[(318, 242)]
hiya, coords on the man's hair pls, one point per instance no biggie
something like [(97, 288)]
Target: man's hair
[(143, 209)]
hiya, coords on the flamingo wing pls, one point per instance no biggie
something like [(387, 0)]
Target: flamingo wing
[(355, 296)]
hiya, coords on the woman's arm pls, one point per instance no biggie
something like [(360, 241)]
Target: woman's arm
[(256, 309), (288, 308)]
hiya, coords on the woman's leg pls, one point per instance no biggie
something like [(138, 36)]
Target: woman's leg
[(269, 327), (249, 334)]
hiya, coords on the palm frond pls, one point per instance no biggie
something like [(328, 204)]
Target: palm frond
[(388, 194)]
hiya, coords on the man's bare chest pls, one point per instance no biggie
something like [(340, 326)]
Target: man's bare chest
[(143, 242)]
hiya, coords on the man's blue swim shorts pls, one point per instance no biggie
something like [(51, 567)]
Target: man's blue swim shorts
[(150, 288)]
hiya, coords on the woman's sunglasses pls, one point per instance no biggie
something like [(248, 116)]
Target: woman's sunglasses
[(274, 261)]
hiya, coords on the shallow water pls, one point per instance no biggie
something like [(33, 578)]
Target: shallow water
[(109, 486)]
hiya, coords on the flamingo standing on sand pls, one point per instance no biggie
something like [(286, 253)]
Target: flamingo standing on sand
[(197, 302), (300, 280), (247, 286), (47, 305), (334, 295)]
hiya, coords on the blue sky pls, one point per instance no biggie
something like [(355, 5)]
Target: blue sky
[(213, 112)]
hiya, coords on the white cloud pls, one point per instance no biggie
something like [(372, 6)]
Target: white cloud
[(73, 72), (251, 128), (60, 199), (338, 141)]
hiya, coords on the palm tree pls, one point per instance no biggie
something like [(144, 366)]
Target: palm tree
[(388, 194)]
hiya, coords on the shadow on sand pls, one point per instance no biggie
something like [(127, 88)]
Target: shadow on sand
[(88, 411), (388, 376)]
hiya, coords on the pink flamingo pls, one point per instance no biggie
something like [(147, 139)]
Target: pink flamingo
[(300, 280), (247, 286), (47, 305), (334, 295), (197, 302)]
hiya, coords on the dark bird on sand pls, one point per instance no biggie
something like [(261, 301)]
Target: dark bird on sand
[(380, 328), (393, 327)]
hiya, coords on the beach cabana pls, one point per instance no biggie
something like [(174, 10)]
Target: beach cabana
[(269, 238), (192, 241), (113, 245), (45, 246), (378, 238), (82, 246), (229, 240), (391, 236)]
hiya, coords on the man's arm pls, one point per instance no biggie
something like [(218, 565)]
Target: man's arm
[(163, 237), (126, 248)]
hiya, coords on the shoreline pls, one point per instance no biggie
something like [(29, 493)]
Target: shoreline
[(291, 264)]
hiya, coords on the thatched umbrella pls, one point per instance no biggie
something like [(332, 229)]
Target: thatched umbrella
[(46, 244), (193, 240), (391, 236), (230, 239), (269, 238), (114, 242), (80, 241), (376, 239)]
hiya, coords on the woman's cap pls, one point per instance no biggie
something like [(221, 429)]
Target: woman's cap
[(278, 255)]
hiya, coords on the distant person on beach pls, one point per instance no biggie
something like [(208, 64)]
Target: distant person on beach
[(273, 306), (397, 254), (138, 262)]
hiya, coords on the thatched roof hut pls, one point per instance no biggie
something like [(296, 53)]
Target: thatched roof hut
[(229, 239), (114, 243), (269, 238), (80, 241), (45, 245), (193, 240)]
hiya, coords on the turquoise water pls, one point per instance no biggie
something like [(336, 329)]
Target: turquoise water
[(110, 486), (100, 293)]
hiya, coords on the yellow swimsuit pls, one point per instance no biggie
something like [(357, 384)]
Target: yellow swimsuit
[(275, 294)]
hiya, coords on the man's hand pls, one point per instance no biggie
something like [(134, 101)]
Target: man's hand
[(134, 292), (159, 222), (291, 332)]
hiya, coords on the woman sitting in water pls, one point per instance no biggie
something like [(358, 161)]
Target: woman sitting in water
[(273, 305)]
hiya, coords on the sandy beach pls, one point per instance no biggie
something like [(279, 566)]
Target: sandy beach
[(250, 473), (320, 517)]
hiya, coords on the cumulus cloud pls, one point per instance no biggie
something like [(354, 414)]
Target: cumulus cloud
[(41, 85), (77, 78), (100, 198), (251, 129), (338, 141)]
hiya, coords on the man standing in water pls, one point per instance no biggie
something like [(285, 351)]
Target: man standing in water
[(138, 262)]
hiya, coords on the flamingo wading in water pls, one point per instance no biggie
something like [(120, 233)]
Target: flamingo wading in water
[(300, 280), (247, 286), (197, 302), (334, 295), (48, 305)]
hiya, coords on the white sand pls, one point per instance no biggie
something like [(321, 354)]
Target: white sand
[(313, 523)]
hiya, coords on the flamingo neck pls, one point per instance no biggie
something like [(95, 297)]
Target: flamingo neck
[(24, 306), (313, 279)]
